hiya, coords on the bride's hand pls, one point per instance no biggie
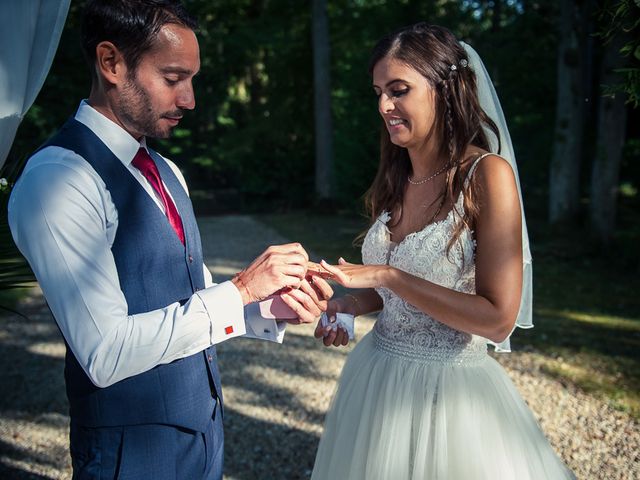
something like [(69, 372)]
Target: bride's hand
[(351, 275), (338, 336)]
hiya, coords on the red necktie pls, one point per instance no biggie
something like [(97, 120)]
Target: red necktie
[(143, 162)]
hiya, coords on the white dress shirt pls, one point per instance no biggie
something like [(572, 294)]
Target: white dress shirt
[(64, 222)]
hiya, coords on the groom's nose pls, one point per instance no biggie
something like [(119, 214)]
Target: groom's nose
[(186, 99)]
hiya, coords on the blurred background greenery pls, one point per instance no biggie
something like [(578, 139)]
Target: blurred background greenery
[(249, 146)]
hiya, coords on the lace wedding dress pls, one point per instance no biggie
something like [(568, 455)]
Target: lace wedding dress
[(420, 400)]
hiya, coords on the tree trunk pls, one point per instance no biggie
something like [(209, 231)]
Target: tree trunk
[(322, 101), (564, 175), (256, 88), (610, 141), (496, 16)]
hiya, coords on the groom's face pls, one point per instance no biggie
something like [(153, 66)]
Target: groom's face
[(156, 94)]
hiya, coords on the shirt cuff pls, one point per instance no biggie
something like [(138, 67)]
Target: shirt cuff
[(225, 309), (263, 328)]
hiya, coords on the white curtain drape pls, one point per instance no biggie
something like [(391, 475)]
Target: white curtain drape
[(29, 34)]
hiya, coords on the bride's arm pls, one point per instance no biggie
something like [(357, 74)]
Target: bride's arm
[(358, 303), (492, 311)]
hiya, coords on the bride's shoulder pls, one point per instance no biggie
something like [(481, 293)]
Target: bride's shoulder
[(493, 167), (482, 164), (496, 181)]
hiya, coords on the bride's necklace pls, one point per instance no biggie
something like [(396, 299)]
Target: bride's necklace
[(430, 177)]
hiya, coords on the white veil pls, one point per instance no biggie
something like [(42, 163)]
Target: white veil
[(491, 105)]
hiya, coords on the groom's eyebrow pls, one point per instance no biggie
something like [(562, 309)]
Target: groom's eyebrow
[(179, 70)]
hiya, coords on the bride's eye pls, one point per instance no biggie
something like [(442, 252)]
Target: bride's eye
[(400, 92)]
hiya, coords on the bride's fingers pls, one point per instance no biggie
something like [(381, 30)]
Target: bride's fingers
[(320, 330), (338, 274), (330, 337), (342, 337), (342, 261)]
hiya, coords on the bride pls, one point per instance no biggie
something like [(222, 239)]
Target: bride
[(447, 261)]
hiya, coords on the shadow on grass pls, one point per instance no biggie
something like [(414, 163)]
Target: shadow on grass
[(266, 450), (276, 400), (9, 472), (585, 332), (18, 454), (587, 321), (33, 398), (271, 375), (31, 365)]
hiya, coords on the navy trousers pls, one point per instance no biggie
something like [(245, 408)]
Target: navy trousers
[(144, 452)]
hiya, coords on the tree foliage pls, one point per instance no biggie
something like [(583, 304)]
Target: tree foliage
[(249, 144), (621, 18)]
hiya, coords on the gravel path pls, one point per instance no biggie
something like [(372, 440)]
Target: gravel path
[(275, 395)]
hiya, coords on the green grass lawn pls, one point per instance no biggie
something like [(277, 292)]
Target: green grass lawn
[(586, 304)]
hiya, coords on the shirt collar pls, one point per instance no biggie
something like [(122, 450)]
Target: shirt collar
[(118, 140)]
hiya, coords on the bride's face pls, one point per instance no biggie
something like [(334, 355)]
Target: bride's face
[(406, 102)]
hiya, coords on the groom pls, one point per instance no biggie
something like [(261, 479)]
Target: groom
[(108, 228)]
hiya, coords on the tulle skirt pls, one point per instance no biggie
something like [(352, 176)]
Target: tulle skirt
[(399, 418)]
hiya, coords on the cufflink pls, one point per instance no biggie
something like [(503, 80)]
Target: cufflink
[(228, 330)]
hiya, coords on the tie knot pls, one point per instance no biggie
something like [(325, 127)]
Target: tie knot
[(143, 162)]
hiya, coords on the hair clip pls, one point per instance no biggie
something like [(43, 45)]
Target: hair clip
[(463, 63)]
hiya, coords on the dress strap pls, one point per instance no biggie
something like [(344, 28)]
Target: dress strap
[(473, 167)]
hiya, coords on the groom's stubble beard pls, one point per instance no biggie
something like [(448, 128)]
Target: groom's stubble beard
[(137, 112)]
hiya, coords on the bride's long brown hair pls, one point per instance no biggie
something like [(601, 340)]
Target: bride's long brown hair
[(432, 50)]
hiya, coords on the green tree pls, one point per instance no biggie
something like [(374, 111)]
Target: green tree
[(564, 176), (620, 79), (322, 102)]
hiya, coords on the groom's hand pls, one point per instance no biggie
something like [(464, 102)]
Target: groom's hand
[(309, 300), (278, 267)]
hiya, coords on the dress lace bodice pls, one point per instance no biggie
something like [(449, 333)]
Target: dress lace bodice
[(402, 328)]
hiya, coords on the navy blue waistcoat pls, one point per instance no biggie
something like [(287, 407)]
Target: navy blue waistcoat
[(154, 270)]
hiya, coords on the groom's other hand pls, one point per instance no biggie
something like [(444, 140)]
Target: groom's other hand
[(278, 267), (309, 300)]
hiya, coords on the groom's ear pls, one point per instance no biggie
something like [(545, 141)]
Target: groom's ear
[(110, 64)]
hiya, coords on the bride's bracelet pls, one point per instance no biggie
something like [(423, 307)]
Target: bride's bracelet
[(355, 302)]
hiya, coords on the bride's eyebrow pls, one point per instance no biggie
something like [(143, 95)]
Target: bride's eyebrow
[(391, 82)]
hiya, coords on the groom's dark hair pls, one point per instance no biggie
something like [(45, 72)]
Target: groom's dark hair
[(131, 25)]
